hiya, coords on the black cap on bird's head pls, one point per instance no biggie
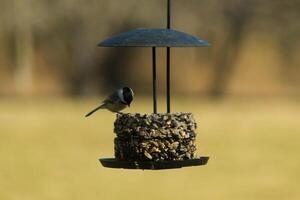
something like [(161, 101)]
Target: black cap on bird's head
[(128, 95)]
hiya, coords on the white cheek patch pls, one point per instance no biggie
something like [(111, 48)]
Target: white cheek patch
[(131, 92), (120, 95)]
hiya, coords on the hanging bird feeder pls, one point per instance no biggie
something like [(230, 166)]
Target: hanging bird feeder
[(157, 140)]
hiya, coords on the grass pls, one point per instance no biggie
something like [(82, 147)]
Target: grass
[(48, 150)]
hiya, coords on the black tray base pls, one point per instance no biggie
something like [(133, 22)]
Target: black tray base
[(152, 165)]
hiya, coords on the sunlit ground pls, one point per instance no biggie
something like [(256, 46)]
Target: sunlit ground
[(48, 150)]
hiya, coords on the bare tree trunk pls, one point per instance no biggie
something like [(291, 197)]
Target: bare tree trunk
[(24, 55), (237, 14)]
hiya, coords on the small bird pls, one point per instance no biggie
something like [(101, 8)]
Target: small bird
[(117, 101)]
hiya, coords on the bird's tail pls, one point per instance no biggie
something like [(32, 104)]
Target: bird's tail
[(100, 107)]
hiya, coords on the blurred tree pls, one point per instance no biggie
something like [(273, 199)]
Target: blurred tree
[(20, 17), (237, 14)]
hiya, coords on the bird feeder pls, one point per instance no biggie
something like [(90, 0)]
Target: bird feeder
[(156, 140)]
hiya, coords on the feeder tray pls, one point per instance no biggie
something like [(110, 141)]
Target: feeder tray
[(152, 165)]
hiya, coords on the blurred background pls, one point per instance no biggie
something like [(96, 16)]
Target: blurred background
[(243, 90), (49, 47)]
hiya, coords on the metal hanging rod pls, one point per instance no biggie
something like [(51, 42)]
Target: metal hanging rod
[(168, 60)]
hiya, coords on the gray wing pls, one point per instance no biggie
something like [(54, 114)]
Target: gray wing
[(113, 98)]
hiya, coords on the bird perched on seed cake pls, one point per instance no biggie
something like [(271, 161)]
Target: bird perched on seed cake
[(117, 101)]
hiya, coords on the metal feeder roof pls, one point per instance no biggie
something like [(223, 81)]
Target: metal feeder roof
[(145, 37)]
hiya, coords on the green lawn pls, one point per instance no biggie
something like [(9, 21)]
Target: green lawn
[(49, 151)]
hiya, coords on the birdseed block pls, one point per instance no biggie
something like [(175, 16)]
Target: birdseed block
[(162, 136)]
